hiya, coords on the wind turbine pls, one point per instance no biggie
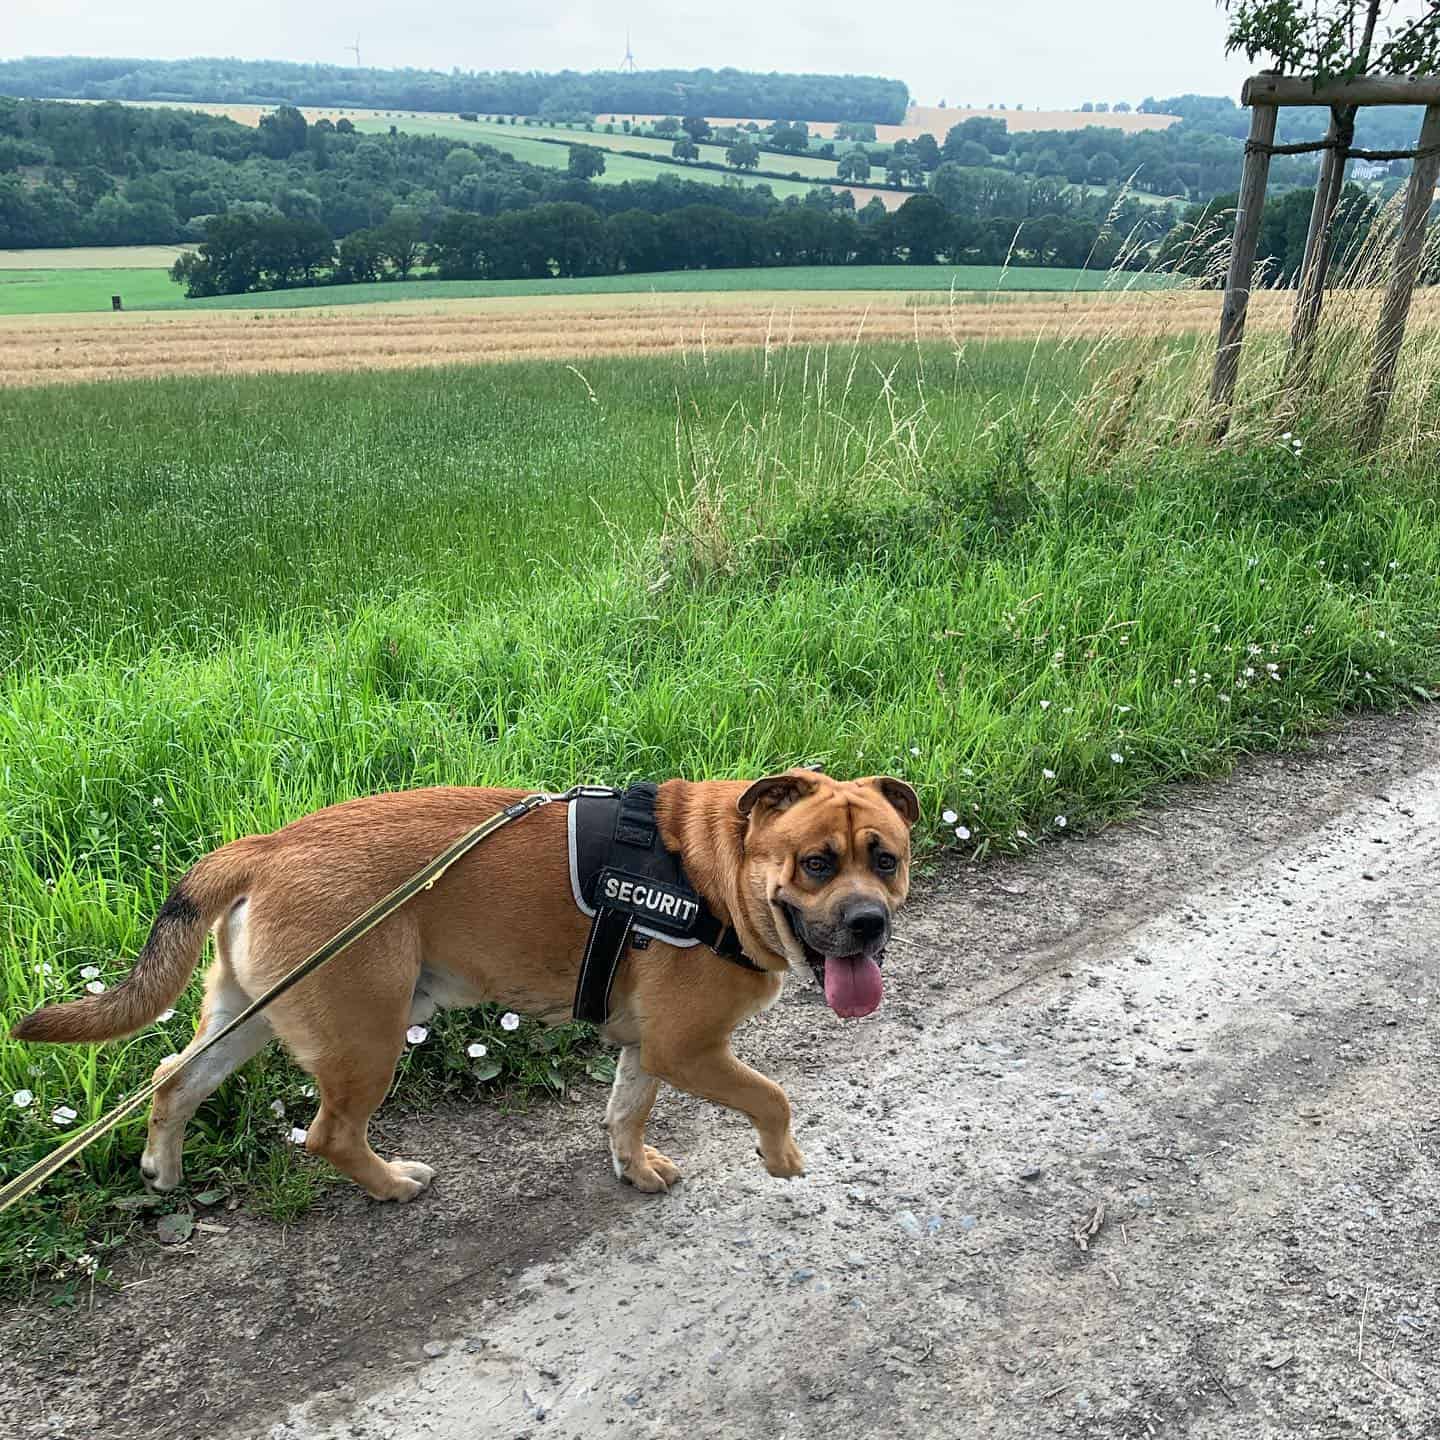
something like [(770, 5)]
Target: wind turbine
[(356, 48), (628, 63)]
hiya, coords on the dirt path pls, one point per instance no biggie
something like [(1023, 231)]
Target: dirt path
[(1218, 1022)]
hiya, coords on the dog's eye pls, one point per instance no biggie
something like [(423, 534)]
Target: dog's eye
[(885, 862), (816, 864)]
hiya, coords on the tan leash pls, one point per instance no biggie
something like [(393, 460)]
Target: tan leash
[(31, 1179)]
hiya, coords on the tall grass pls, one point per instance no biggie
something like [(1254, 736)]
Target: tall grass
[(1150, 392), (239, 601)]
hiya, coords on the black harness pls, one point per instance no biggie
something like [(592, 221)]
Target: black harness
[(635, 889)]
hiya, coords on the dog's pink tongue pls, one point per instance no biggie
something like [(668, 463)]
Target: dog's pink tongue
[(853, 986)]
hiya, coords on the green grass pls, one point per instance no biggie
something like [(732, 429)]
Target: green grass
[(75, 290), (233, 601), (66, 291)]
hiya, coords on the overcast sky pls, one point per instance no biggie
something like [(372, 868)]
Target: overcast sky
[(1045, 54)]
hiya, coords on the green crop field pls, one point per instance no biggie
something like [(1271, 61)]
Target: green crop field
[(66, 290), (229, 601), (30, 292)]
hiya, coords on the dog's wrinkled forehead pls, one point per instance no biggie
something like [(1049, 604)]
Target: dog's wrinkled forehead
[(799, 806)]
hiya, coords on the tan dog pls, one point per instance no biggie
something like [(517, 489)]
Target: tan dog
[(808, 870)]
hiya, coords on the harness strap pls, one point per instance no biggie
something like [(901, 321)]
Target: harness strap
[(635, 840)]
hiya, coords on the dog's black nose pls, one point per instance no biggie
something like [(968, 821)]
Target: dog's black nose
[(867, 921)]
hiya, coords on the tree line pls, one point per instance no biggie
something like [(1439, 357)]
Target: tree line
[(561, 95), (248, 249)]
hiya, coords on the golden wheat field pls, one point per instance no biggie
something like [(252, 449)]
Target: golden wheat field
[(57, 349), (52, 349)]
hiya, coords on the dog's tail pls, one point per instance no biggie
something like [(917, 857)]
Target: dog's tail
[(165, 963)]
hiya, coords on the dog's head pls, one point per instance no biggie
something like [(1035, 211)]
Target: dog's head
[(827, 865)]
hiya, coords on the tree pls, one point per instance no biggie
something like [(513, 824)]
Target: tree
[(459, 163), (743, 155), (697, 127), (972, 154), (586, 162), (400, 240), (1330, 39), (283, 132), (855, 130), (685, 149), (926, 151), (921, 228), (791, 138), (854, 166), (667, 125), (362, 258)]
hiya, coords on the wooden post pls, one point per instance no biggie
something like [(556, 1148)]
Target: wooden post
[(1242, 258), (1390, 334), (1311, 295)]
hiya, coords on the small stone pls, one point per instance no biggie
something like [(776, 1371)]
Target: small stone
[(801, 1276), (1186, 1045), (435, 1348), (1366, 875), (968, 1222), (908, 1222), (1033, 1173)]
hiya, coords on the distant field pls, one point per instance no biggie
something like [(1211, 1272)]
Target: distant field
[(523, 144), (807, 165), (94, 257), (933, 120), (61, 290)]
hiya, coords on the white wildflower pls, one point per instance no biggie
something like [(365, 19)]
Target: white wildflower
[(949, 817), (297, 1136), (962, 832), (476, 1051), (416, 1034), (1048, 774), (277, 1109), (1061, 822), (509, 1021), (89, 972), (1116, 758), (62, 1115), (22, 1099), (96, 987)]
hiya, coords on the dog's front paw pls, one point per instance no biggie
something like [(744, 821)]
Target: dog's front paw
[(785, 1161), (407, 1179), (651, 1172)]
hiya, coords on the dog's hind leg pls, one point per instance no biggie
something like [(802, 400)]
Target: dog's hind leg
[(631, 1098), (348, 1035), (176, 1102)]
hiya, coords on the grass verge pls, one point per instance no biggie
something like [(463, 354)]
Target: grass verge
[(241, 600)]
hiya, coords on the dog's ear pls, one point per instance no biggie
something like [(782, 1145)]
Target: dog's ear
[(777, 792), (899, 794)]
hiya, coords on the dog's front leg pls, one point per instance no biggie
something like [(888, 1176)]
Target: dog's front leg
[(716, 1074), (631, 1099)]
